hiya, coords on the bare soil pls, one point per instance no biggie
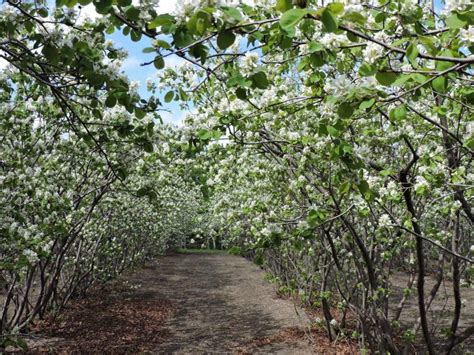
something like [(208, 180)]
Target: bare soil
[(211, 303), (440, 311), (182, 303)]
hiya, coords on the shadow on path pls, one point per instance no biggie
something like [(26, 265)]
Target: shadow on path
[(222, 303), (180, 303)]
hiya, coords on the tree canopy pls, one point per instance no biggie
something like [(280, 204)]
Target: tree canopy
[(330, 140)]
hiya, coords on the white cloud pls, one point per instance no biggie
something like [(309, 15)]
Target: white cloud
[(175, 117), (169, 6), (3, 64), (166, 6), (173, 61), (87, 13), (131, 63)]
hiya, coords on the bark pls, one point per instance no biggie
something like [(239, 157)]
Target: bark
[(403, 176)]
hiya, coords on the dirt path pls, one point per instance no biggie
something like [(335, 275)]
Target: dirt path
[(185, 303), (222, 303)]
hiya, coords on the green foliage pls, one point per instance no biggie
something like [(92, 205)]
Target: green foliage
[(159, 62), (329, 20), (412, 53), (284, 5), (312, 129), (259, 80), (386, 78), (440, 84), (291, 18), (235, 250), (454, 21), (225, 39)]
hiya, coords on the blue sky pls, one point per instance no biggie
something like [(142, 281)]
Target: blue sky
[(136, 72)]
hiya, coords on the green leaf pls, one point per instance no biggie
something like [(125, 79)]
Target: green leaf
[(313, 218), (142, 192), (122, 173), (332, 131), (363, 187), (412, 53), (316, 60), (149, 50), (51, 53), (469, 143), (284, 5), (442, 65), (345, 187), (183, 95), (43, 12), (329, 21), (345, 110), (469, 95), (399, 113), (148, 146), (291, 18), (440, 84), (357, 18), (132, 13), (201, 26), (454, 22), (233, 13), (367, 70), (162, 44), (169, 96), (124, 3), (380, 17), (364, 105), (204, 134), (198, 23), (111, 101), (71, 3), (386, 78), (241, 93), (408, 223), (182, 37), (315, 47), (429, 44), (201, 23), (161, 20), (135, 36), (286, 42), (387, 172), (139, 113), (199, 51), (259, 80), (225, 39), (336, 8), (159, 63)]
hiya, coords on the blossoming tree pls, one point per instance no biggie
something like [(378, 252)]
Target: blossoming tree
[(348, 149), (91, 184)]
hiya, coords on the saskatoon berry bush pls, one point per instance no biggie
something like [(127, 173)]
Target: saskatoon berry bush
[(331, 141)]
